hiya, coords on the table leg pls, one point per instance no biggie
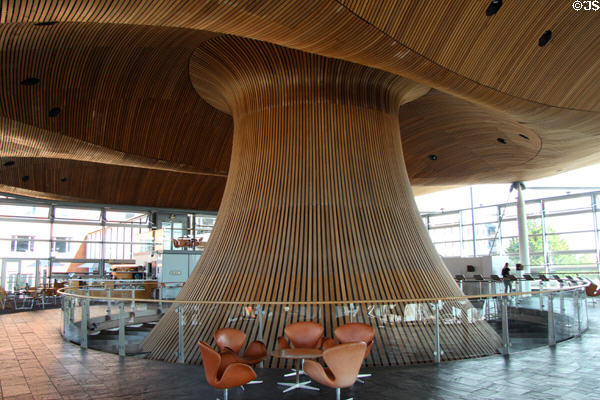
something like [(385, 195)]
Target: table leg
[(297, 384)]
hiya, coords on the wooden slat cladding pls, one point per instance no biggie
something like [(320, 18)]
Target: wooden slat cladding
[(20, 140), (104, 183), (460, 37), (317, 206), (119, 74), (125, 88)]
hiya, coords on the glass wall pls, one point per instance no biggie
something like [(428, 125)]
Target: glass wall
[(563, 232), (53, 240)]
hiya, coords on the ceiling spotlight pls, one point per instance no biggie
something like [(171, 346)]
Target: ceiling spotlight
[(30, 81), (493, 7), (545, 38), (501, 140), (9, 163), (432, 157), (54, 112)]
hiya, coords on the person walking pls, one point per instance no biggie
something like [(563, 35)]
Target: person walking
[(507, 278)]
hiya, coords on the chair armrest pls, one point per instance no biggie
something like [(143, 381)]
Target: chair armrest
[(236, 374), (320, 342), (317, 372), (282, 343), (328, 343), (255, 351)]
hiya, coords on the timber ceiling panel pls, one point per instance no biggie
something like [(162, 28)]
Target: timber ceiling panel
[(116, 76)]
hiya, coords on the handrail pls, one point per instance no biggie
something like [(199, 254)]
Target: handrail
[(64, 292)]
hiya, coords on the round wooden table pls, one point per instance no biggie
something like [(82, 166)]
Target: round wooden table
[(299, 355)]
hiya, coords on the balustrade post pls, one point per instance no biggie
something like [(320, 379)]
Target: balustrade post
[(65, 308), (122, 343), (551, 332), (109, 303), (133, 299), (577, 297), (85, 311), (181, 325), (260, 313), (437, 348), (562, 301), (505, 334), (72, 310)]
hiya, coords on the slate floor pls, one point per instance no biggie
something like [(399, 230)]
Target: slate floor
[(35, 363)]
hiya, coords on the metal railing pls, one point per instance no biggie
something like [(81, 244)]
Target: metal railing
[(561, 313)]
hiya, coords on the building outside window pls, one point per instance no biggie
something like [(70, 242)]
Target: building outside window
[(22, 244), (61, 245)]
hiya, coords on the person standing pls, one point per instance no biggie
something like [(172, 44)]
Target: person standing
[(507, 278)]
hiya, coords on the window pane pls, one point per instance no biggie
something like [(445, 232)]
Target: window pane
[(79, 214), (577, 203), (134, 217), (487, 214), (23, 211), (569, 223)]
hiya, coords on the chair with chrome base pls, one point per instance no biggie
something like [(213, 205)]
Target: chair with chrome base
[(230, 342), (343, 363), (304, 334), (222, 376), (352, 333)]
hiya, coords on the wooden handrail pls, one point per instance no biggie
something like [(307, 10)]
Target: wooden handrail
[(385, 301)]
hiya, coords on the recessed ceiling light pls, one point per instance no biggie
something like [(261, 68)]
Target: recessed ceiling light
[(54, 112), (432, 157), (45, 23), (501, 140), (9, 163), (545, 38), (30, 81), (493, 7)]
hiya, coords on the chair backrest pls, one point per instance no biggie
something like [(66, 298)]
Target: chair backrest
[(306, 334), (211, 360), (230, 338), (344, 362), (590, 290), (354, 332)]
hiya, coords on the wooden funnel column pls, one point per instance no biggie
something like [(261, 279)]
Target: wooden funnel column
[(318, 207)]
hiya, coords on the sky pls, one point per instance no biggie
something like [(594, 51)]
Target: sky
[(587, 178)]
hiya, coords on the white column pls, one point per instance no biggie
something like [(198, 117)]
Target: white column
[(523, 235)]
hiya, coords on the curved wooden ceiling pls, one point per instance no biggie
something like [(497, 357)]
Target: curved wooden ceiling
[(119, 75)]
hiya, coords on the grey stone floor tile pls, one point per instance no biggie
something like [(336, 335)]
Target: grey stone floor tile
[(37, 364)]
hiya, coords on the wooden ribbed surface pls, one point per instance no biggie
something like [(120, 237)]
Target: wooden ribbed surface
[(126, 100), (317, 206), (119, 73)]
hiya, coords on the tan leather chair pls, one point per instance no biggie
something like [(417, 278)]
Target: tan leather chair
[(231, 340), (222, 376), (306, 335), (351, 333), (592, 290), (343, 363)]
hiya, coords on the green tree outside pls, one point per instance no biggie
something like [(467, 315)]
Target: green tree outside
[(555, 243)]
